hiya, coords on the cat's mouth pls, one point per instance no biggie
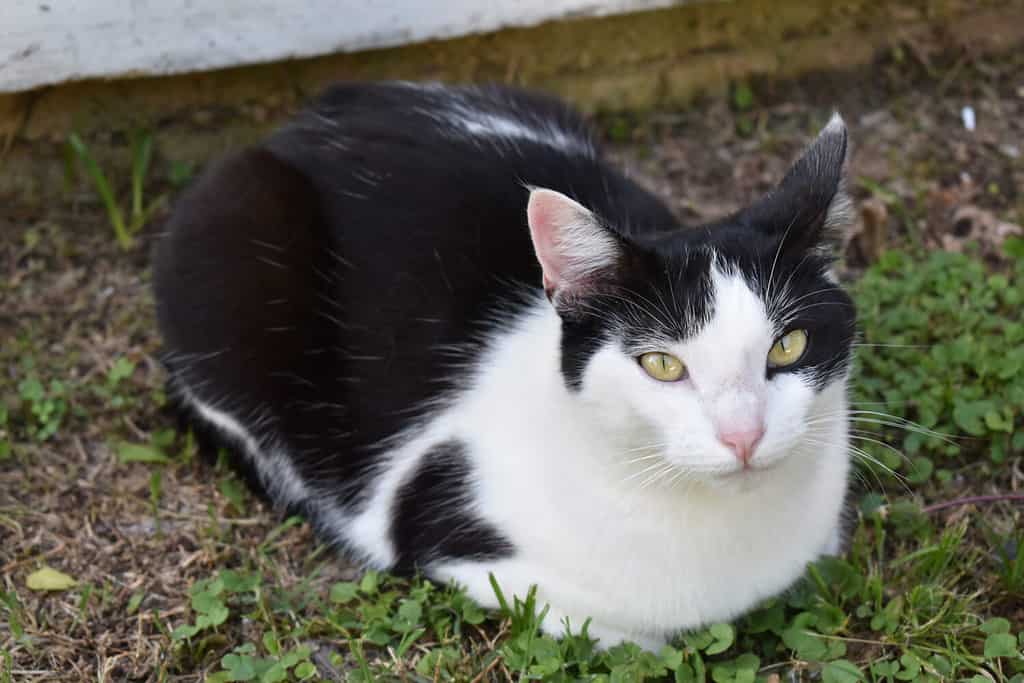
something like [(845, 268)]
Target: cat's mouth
[(744, 478)]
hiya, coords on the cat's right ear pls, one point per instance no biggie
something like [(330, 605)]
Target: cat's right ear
[(810, 206), (576, 253)]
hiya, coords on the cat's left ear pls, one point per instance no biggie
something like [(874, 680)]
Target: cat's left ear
[(576, 253), (810, 207)]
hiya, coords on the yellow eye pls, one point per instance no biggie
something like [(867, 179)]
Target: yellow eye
[(662, 366), (788, 349)]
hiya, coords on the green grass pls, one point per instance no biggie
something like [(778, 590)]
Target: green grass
[(125, 229)]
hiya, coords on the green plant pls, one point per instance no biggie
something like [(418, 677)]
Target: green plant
[(109, 391), (1010, 563), (938, 357), (5, 435), (141, 154), (44, 406), (180, 173)]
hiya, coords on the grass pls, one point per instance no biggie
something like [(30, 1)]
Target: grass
[(139, 213)]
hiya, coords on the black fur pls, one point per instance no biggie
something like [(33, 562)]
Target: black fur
[(307, 285), (431, 521)]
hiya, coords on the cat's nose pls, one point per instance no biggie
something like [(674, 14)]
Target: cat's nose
[(742, 441)]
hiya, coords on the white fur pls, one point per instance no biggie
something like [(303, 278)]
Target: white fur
[(498, 123), (554, 475), (276, 470)]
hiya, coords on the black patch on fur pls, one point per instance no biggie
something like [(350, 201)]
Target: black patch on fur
[(430, 519)]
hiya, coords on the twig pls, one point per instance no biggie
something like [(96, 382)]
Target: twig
[(972, 500), (494, 662)]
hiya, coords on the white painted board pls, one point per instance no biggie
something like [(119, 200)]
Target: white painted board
[(51, 41)]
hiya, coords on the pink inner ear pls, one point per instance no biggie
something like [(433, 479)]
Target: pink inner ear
[(549, 213)]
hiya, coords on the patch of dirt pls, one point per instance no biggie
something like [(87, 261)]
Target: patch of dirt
[(72, 304)]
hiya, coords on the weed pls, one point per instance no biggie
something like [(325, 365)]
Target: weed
[(180, 173), (15, 618), (44, 406), (742, 102), (111, 390), (141, 155), (1010, 563), (5, 434), (936, 351)]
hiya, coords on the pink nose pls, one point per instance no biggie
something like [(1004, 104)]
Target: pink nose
[(742, 442)]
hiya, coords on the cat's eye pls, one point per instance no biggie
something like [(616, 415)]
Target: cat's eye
[(663, 367), (788, 349)]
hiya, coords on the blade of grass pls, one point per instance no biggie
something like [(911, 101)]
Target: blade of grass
[(99, 179), (147, 213), (142, 152)]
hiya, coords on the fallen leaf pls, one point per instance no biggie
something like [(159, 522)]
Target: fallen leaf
[(48, 579)]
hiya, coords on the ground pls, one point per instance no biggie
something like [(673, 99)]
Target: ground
[(97, 484)]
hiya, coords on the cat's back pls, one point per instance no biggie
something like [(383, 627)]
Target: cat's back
[(452, 165), (316, 278)]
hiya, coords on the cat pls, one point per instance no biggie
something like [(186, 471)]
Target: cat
[(435, 321)]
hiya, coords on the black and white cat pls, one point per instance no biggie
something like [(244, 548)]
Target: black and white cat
[(437, 323)]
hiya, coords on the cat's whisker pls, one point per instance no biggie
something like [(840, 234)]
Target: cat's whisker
[(863, 455), (656, 444), (893, 346), (885, 419), (792, 302), (887, 416), (647, 306), (640, 473), (804, 309), (679, 477), (780, 298), (855, 434), (643, 458), (911, 430), (910, 427), (653, 449), (775, 259), (657, 476)]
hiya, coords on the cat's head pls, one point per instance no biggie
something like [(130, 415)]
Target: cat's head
[(716, 349)]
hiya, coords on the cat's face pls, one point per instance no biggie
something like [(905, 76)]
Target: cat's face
[(719, 351)]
